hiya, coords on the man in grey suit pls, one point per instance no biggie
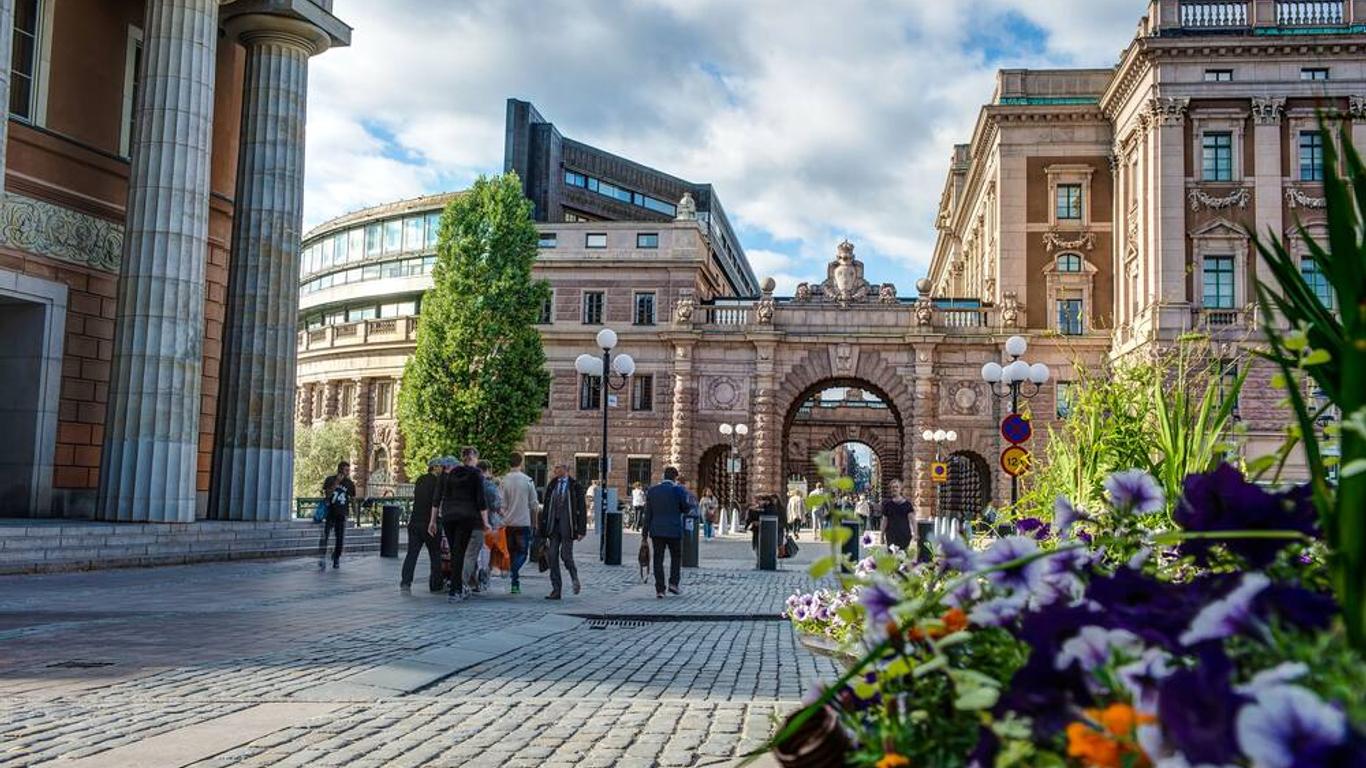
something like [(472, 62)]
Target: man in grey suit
[(563, 521)]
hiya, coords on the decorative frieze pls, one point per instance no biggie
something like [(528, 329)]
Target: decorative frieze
[(1056, 241), (60, 233), (1200, 199), (1297, 198), (1268, 111)]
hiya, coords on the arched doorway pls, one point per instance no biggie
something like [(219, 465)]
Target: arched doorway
[(968, 490), (843, 412), (728, 480)]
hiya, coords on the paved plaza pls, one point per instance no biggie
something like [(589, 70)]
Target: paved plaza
[(273, 663)]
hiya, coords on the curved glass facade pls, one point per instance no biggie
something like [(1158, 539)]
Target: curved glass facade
[(371, 250)]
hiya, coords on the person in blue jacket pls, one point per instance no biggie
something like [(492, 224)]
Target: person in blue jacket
[(666, 504)]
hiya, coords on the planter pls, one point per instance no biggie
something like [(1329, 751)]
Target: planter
[(824, 646), (820, 743)]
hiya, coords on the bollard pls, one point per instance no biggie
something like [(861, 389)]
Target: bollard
[(612, 522), (769, 532), (851, 547), (692, 530), (388, 530), (924, 529)]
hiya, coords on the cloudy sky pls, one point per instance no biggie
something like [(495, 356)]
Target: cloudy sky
[(815, 119)]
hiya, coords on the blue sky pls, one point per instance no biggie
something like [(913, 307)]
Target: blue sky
[(815, 120)]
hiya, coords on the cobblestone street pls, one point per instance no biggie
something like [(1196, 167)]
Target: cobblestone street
[(273, 663)]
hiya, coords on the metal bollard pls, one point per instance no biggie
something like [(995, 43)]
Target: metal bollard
[(388, 531), (924, 529), (851, 547), (769, 532), (612, 522), (692, 531)]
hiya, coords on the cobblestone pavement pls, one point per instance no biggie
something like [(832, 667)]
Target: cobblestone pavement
[(274, 663)]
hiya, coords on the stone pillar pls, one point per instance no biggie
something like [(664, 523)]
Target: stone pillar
[(680, 436), (1266, 138), (1356, 106), (254, 442), (919, 453), (151, 444), (1169, 171)]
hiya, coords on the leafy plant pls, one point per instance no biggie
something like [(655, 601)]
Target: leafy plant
[(317, 451), (477, 376), (1310, 339)]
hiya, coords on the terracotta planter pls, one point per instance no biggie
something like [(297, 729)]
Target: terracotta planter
[(821, 743)]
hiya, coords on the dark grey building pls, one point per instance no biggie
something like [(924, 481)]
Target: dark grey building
[(568, 181)]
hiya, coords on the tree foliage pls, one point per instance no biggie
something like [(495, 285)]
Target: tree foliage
[(478, 374), (317, 451)]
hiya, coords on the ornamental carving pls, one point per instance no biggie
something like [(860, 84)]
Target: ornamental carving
[(1166, 111), (723, 393), (844, 359), (844, 283), (1268, 111), (1356, 107), (1198, 199), (683, 309), (924, 311), (60, 233), (1010, 310), (1054, 241), (887, 294), (686, 208), (1298, 199), (763, 311), (964, 398)]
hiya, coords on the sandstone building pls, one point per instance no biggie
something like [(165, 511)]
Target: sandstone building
[(1097, 212), (152, 167)]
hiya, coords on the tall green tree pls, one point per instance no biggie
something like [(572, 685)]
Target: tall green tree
[(478, 375), (317, 451)]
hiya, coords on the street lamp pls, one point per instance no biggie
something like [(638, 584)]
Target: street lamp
[(604, 368), (1010, 380), (734, 434), (939, 437)]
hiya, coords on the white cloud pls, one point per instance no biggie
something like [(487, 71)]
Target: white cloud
[(815, 120)]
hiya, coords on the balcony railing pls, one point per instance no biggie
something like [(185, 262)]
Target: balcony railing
[(1214, 15), (1218, 319), (961, 318), (1310, 14), (728, 317), (359, 333)]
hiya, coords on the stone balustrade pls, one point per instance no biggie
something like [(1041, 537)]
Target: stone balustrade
[(1221, 15), (395, 330)]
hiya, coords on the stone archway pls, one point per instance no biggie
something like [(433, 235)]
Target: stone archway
[(812, 426), (968, 490), (712, 474)]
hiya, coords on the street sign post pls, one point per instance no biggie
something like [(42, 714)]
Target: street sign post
[(1015, 460)]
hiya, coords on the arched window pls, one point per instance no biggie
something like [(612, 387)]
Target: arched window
[(1069, 262)]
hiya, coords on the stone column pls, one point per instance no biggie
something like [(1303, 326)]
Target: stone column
[(1266, 138), (917, 452), (254, 442), (1357, 109), (1169, 172), (151, 444), (680, 436)]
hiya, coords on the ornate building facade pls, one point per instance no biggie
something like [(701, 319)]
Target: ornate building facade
[(152, 168)]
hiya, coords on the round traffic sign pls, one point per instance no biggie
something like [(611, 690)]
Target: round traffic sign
[(1016, 429), (1015, 460)]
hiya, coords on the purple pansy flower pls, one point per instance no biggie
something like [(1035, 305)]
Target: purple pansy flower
[(1142, 677), (1196, 708), (879, 599), (1065, 515), (1287, 726), (1156, 611), (955, 553), (1135, 491), (1224, 500), (1033, 526), (1094, 647), (996, 612), (1020, 577), (1230, 615), (1282, 674)]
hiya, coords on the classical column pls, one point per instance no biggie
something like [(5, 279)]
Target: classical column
[(1266, 138), (680, 436), (253, 463), (1169, 215), (151, 444), (1356, 106)]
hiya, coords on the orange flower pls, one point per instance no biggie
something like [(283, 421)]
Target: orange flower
[(1094, 748), (955, 620), (893, 760), (1109, 747), (1120, 719)]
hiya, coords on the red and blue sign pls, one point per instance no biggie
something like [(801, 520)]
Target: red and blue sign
[(1016, 429)]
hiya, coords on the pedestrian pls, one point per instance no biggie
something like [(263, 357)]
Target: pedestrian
[(491, 551), (666, 504), (464, 516), (707, 506), (864, 510), (752, 515), (338, 491), (818, 512), (637, 505), (422, 530), (796, 512), (897, 516), (592, 498), (563, 521), (520, 510)]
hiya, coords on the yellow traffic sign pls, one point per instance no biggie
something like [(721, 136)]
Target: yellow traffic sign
[(1015, 460), (939, 472)]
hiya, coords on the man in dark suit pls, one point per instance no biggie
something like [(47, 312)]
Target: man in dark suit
[(563, 521), (666, 504), (422, 529)]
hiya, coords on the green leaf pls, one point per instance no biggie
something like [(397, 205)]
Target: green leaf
[(1355, 468), (979, 698), (822, 567), (845, 484), (1317, 357), (934, 664)]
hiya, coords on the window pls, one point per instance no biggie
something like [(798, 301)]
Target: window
[(592, 308), (575, 179), (590, 393), (1069, 262), (1069, 201), (328, 251), (647, 240), (585, 470), (1311, 156), (1317, 282), (575, 218), (1069, 317), (347, 400), (132, 64), (414, 235), (23, 86), (547, 315), (1314, 73), (645, 309), (358, 314), (642, 393), (398, 309), (340, 244), (1218, 282), (546, 240), (595, 240), (1218, 75), (356, 250), (317, 404), (1217, 157), (374, 240), (393, 236), (537, 467), (638, 470), (384, 398), (433, 229), (1063, 395)]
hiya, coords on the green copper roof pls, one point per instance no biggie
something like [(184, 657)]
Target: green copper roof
[(1042, 101), (1353, 29)]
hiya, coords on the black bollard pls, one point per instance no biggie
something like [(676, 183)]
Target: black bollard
[(768, 543), (924, 529), (692, 530), (612, 522), (388, 530), (851, 547)]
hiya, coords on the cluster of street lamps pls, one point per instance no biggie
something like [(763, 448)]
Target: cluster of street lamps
[(1009, 381), (605, 368), (734, 434)]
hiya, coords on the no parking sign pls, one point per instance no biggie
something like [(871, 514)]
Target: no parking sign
[(1016, 429)]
